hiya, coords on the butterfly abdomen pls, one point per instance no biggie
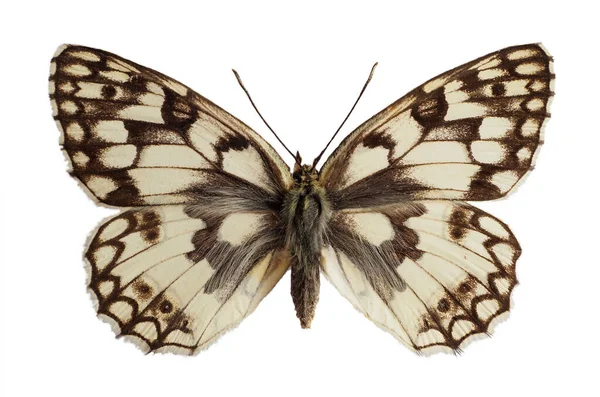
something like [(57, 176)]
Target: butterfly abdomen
[(306, 214)]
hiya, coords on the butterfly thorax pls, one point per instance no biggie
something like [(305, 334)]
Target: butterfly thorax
[(306, 212)]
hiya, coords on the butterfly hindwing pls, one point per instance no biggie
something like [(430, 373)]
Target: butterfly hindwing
[(173, 278), (136, 137), (469, 134), (432, 273)]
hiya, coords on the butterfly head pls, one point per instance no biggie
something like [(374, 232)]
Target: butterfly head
[(305, 174)]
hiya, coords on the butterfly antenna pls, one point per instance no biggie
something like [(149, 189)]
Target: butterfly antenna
[(348, 115), (239, 79)]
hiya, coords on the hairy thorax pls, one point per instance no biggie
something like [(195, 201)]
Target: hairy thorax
[(306, 213)]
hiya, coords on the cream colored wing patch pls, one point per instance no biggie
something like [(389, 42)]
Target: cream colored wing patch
[(442, 276), (136, 137), (171, 281), (469, 134)]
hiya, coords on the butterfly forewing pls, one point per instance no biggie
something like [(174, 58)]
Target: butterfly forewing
[(136, 137), (469, 134)]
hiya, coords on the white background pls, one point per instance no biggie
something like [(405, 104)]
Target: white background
[(304, 65)]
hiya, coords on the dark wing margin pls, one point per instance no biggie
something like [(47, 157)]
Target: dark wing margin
[(471, 133), (134, 136)]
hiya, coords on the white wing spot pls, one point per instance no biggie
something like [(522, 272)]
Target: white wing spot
[(430, 337), (535, 104), (151, 99), (147, 329), (488, 152), (521, 54), (374, 227), (505, 180), (106, 287), (171, 156), (404, 130), (157, 181), (492, 63), (453, 86), (530, 128), (487, 308), (68, 107), (462, 328), (103, 256), (505, 253), (248, 165), (524, 154), (90, 90), (101, 185), (85, 55), (67, 87), (529, 68), (204, 134), (54, 107), (515, 87), (437, 152), (149, 114), (366, 161), (502, 285), (465, 110), (456, 97), (155, 88), (434, 84), (491, 74), (111, 131), (495, 127), (115, 75), (114, 228), (493, 227), (77, 70), (118, 156), (450, 176), (538, 85), (122, 310), (80, 159), (75, 132), (237, 227), (175, 86)]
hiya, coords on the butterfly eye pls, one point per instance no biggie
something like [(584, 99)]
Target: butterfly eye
[(297, 176)]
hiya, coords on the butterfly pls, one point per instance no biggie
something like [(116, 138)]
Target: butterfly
[(212, 217)]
